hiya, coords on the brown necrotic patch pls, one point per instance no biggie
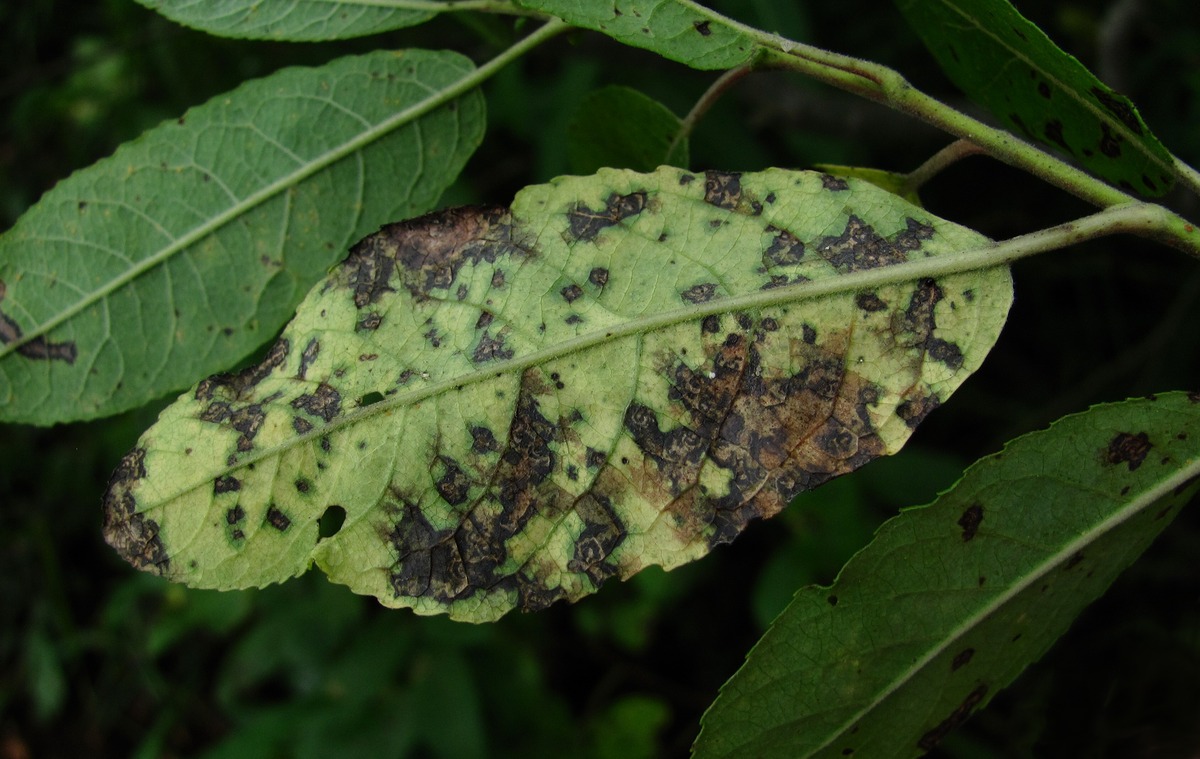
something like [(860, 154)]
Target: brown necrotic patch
[(240, 386), (571, 293), (598, 276), (1110, 144), (785, 250), (1129, 449), (970, 520), (914, 234), (425, 254), (1118, 107), (483, 440), (699, 293), (833, 184), (454, 486), (931, 739), (226, 484), (603, 531), (585, 223), (491, 348), (311, 350), (723, 189), (278, 519), (1053, 131), (859, 248), (325, 402), (428, 560), (370, 321), (915, 326), (37, 348), (914, 410), (870, 302), (130, 533)]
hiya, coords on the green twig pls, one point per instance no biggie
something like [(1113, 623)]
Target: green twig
[(938, 162), (706, 101)]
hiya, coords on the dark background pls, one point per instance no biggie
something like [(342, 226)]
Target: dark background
[(98, 660)]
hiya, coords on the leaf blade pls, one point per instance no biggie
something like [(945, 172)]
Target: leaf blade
[(436, 388), (292, 20), (124, 264), (1009, 65), (679, 30), (857, 667)]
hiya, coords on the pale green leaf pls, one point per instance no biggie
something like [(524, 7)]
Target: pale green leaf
[(951, 601), (297, 20), (680, 30), (192, 245), (512, 405)]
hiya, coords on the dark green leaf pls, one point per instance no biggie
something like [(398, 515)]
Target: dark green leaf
[(951, 601), (1008, 64), (680, 30), (619, 127)]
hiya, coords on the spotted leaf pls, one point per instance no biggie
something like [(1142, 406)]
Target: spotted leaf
[(951, 601), (512, 405), (1009, 65)]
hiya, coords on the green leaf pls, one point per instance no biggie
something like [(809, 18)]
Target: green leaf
[(511, 405), (295, 20), (192, 245), (951, 601), (619, 127), (1009, 65), (680, 30)]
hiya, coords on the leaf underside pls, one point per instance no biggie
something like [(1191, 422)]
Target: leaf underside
[(292, 20), (511, 405), (950, 602), (191, 246), (1009, 65)]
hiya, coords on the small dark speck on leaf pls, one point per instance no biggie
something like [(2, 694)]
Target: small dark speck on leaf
[(970, 520), (1127, 448), (704, 27)]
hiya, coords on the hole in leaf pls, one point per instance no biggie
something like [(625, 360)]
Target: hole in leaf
[(330, 522), (370, 398)]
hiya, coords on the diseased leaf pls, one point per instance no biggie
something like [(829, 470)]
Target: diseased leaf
[(1009, 65), (895, 183), (619, 127), (511, 405), (680, 30), (294, 20), (192, 245), (951, 601)]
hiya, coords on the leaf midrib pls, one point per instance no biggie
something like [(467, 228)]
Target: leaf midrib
[(1150, 495), (471, 78), (989, 256)]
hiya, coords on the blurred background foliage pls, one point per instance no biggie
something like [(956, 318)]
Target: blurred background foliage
[(98, 660)]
